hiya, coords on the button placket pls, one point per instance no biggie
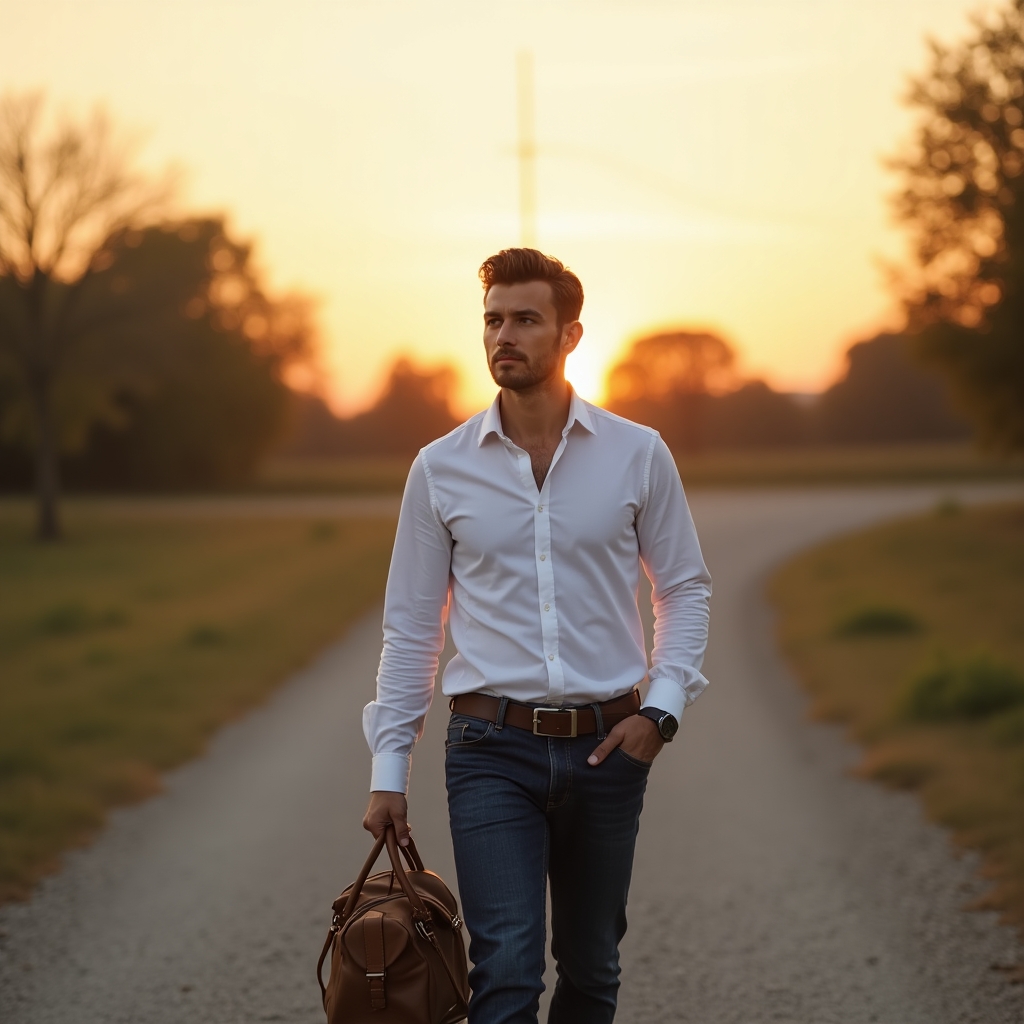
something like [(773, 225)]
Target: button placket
[(545, 569), (546, 592)]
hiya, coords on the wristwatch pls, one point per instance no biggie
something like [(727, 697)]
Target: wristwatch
[(666, 723)]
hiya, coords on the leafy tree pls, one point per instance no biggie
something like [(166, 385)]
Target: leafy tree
[(199, 392), (755, 416), (64, 193), (106, 316), (413, 410), (962, 200), (665, 380), (886, 396)]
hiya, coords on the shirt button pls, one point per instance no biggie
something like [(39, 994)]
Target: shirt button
[(551, 657), (543, 557), (540, 508), (547, 607)]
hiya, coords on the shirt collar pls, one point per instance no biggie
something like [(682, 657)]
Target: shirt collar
[(579, 412)]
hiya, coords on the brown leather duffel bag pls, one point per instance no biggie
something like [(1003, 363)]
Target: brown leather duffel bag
[(397, 954)]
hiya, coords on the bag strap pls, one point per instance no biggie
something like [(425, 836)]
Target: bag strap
[(364, 873), (412, 856), (421, 916), (320, 964), (432, 939), (373, 947), (419, 909)]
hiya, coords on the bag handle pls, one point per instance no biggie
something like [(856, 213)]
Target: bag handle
[(419, 910), (412, 855), (364, 872)]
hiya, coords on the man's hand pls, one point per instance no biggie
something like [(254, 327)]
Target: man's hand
[(637, 735), (388, 808)]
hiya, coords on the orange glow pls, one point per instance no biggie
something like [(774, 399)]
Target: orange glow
[(697, 163)]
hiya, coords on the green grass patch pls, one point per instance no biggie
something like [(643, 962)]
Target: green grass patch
[(977, 686), (878, 620), (843, 464), (125, 646), (315, 475), (912, 634)]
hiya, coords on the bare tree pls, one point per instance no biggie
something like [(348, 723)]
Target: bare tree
[(66, 190)]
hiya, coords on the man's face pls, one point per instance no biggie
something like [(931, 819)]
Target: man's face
[(522, 339)]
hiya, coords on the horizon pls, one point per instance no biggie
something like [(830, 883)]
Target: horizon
[(715, 167)]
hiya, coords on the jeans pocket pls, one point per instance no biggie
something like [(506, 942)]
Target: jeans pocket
[(464, 731), (634, 761)]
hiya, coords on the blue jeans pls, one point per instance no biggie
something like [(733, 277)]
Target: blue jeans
[(525, 809)]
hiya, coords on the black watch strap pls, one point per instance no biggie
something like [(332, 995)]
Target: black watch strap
[(666, 723)]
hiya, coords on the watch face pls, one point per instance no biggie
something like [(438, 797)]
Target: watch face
[(668, 727)]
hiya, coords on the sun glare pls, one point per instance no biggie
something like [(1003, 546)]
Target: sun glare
[(585, 370)]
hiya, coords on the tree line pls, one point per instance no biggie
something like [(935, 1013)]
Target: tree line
[(674, 382), (140, 349)]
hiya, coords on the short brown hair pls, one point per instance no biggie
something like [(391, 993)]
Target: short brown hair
[(517, 266)]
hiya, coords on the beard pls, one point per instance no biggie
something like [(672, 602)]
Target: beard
[(524, 373)]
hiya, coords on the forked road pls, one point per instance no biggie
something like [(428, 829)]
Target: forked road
[(769, 884)]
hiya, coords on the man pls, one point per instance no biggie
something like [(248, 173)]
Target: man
[(529, 524)]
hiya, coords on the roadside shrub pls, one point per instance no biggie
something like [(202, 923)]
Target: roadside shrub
[(974, 687), (878, 620), (1009, 730), (74, 617), (205, 635)]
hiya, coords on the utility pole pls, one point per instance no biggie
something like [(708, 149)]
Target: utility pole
[(527, 150)]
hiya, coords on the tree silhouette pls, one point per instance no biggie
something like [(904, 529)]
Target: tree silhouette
[(413, 410), (886, 396), (65, 194), (186, 388), (665, 380), (962, 201)]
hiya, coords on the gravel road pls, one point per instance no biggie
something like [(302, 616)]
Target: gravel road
[(770, 885)]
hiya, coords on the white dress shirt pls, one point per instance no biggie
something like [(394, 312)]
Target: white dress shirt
[(540, 586)]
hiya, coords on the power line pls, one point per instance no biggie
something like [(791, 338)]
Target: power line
[(527, 150)]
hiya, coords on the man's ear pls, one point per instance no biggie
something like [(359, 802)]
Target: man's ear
[(571, 335)]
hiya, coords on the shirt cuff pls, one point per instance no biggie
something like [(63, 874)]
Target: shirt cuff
[(390, 773), (666, 695)]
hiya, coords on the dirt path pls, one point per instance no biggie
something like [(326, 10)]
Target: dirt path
[(770, 886)]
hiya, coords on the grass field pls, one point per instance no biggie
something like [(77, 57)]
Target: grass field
[(848, 464), (913, 635), (781, 467), (126, 645)]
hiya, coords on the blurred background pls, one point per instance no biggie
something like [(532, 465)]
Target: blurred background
[(238, 255), (275, 216)]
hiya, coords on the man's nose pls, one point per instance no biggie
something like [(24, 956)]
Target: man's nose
[(506, 334)]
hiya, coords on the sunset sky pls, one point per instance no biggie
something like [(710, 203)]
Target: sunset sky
[(707, 163)]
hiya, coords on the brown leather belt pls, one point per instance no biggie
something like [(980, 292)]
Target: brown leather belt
[(542, 721)]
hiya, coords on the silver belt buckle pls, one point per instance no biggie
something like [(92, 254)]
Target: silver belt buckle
[(554, 711)]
